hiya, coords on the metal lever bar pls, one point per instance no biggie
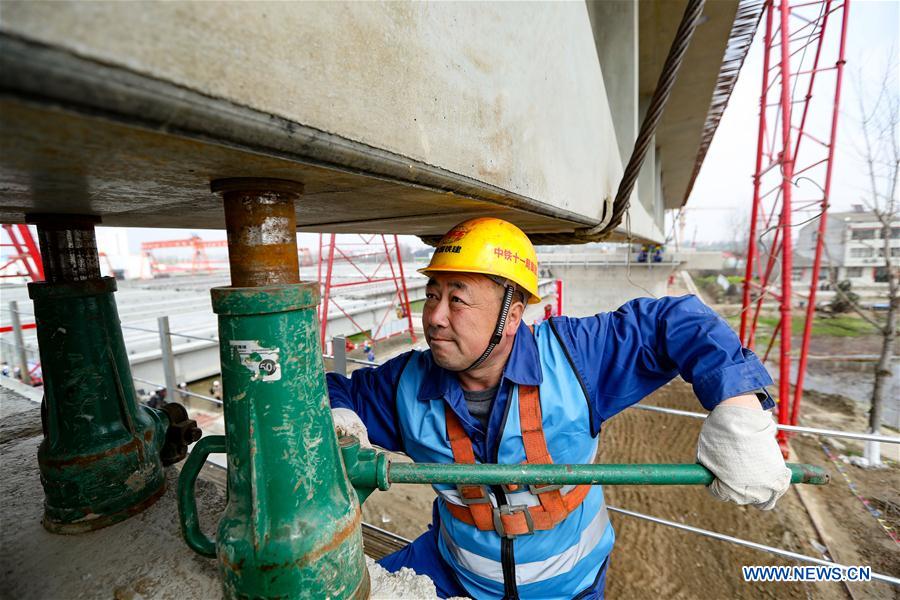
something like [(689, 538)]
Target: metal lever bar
[(604, 474), (369, 470)]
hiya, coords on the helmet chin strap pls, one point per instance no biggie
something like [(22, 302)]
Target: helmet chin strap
[(498, 330)]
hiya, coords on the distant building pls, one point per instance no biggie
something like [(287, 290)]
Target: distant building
[(854, 248)]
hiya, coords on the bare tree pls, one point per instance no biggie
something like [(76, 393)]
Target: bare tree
[(879, 149), (882, 155), (738, 233)]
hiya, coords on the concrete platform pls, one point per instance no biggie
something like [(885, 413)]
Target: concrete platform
[(143, 557), (594, 283)]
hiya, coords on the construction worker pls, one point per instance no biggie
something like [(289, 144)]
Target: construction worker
[(492, 390), (369, 351), (158, 399)]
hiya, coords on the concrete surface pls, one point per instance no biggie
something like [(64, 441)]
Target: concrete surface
[(703, 260), (680, 130), (186, 301), (509, 96), (23, 399), (463, 86), (141, 557), (615, 27), (431, 111), (590, 288)]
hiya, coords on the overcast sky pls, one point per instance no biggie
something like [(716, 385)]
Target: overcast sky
[(723, 193)]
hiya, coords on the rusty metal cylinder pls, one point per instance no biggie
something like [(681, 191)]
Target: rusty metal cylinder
[(68, 247), (262, 230)]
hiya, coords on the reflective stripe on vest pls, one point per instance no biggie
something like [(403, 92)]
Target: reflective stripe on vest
[(534, 572), (554, 563), (511, 519)]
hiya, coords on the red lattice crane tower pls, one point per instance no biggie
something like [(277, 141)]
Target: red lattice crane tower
[(803, 64), (25, 260), (365, 262), (199, 262)]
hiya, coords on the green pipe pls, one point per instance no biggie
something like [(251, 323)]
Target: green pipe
[(187, 501), (369, 470), (605, 474)]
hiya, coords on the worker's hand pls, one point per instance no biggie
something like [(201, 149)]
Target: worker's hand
[(347, 422), (738, 445)]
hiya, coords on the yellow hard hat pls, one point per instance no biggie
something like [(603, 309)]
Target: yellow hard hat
[(491, 247)]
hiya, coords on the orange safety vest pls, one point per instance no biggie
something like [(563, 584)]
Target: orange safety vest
[(478, 510)]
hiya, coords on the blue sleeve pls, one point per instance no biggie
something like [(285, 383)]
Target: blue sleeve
[(625, 355), (370, 393)]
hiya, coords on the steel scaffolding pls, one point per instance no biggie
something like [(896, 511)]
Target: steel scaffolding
[(366, 260), (804, 45), (25, 259)]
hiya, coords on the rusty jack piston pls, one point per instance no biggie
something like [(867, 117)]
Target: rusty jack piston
[(100, 459), (292, 526), (262, 230)]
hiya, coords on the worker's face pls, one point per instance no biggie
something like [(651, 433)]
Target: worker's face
[(459, 317)]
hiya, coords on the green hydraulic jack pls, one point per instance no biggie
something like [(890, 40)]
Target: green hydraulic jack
[(102, 456), (292, 525)]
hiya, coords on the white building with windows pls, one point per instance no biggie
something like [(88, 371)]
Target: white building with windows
[(854, 248)]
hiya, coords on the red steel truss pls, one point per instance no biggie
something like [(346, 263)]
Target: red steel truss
[(364, 260), (199, 262), (802, 71), (25, 254)]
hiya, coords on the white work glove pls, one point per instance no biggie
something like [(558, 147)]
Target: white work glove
[(738, 445), (347, 422)]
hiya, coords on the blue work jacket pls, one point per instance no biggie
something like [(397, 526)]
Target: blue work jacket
[(619, 358)]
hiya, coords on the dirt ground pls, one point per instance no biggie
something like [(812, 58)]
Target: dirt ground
[(853, 534), (405, 509), (657, 559), (653, 561)]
